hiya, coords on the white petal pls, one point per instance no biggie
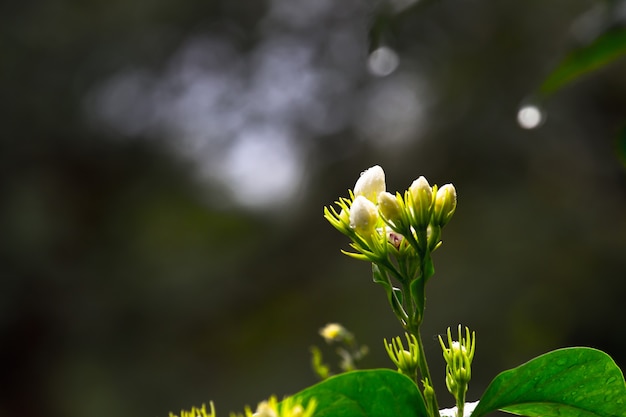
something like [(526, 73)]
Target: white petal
[(451, 412), (371, 183), (363, 215)]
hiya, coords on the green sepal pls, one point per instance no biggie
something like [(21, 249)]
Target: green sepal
[(570, 382), (394, 295), (417, 294), (371, 393)]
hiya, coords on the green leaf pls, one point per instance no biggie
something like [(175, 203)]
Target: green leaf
[(571, 382), (371, 393), (606, 48)]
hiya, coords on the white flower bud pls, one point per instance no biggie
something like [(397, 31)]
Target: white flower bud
[(389, 206), (371, 183), (421, 199), (363, 216), (445, 204)]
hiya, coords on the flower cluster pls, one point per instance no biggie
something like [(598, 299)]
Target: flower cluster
[(347, 348), (197, 412), (398, 233), (407, 361), (289, 407), (458, 356), (380, 223)]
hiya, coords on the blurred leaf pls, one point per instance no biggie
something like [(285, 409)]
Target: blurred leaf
[(388, 17), (381, 29), (371, 393), (571, 382), (605, 49)]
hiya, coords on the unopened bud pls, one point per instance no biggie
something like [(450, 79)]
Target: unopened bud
[(445, 205), (421, 198), (389, 207), (371, 183), (458, 356), (406, 360), (363, 216)]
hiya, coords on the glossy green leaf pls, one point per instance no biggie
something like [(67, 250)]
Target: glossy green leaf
[(371, 393), (571, 382), (606, 48)]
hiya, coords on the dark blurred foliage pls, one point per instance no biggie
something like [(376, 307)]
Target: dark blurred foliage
[(136, 280)]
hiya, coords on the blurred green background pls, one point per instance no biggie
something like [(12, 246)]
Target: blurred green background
[(163, 168)]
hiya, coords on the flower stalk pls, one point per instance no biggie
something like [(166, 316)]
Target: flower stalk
[(397, 233), (458, 356)]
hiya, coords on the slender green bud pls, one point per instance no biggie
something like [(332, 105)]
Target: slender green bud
[(371, 183), (363, 216), (429, 396), (421, 198), (445, 205)]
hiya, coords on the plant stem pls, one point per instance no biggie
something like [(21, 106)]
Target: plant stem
[(425, 372), (418, 301)]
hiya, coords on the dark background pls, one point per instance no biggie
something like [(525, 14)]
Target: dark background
[(164, 165)]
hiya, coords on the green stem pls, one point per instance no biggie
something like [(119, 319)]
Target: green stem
[(460, 409), (460, 401), (413, 284), (425, 372), (413, 325), (418, 301)]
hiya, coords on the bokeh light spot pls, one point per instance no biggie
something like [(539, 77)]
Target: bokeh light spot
[(383, 61), (530, 117), (262, 168), (393, 111)]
